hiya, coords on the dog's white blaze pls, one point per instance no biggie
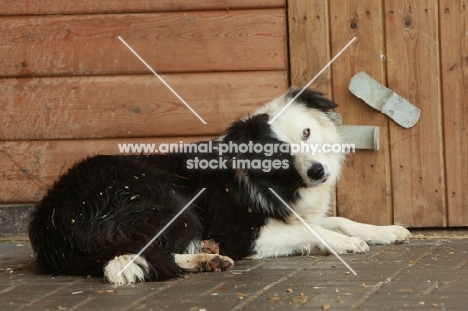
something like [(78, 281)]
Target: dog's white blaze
[(134, 273)]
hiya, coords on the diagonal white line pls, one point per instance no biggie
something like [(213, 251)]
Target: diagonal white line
[(313, 79), (164, 82), (313, 231), (160, 232)]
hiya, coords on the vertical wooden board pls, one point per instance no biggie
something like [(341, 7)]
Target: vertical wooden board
[(309, 47), (309, 43), (454, 71), (364, 190), (416, 153)]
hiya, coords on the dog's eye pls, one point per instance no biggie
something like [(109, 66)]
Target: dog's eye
[(305, 134)]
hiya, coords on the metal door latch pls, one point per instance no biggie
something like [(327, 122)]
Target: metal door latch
[(362, 136)]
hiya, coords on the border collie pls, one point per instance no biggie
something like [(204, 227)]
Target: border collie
[(107, 208)]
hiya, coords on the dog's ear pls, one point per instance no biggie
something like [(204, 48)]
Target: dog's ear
[(254, 128), (311, 99)]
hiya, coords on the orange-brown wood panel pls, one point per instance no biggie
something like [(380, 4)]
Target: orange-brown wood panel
[(29, 168), (364, 190), (26, 7), (413, 72), (309, 47), (309, 44), (131, 106), (169, 42), (454, 70)]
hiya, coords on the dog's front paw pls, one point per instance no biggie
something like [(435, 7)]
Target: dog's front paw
[(218, 263), (203, 262), (349, 245), (354, 246), (390, 235)]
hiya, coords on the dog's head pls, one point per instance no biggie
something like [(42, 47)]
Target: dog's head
[(293, 151), (312, 135)]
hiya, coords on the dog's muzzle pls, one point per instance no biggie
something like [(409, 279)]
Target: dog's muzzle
[(317, 173)]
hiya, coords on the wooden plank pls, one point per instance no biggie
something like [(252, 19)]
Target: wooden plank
[(29, 168), (364, 190), (131, 106), (169, 42), (454, 69), (309, 43), (35, 7), (309, 47), (417, 153)]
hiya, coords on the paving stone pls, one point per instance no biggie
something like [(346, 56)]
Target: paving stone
[(421, 275)]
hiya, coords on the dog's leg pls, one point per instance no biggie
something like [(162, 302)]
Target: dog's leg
[(150, 266), (206, 258), (203, 262), (280, 239), (117, 272), (154, 266), (369, 233)]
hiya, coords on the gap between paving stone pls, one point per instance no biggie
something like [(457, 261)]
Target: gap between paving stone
[(381, 284), (262, 291)]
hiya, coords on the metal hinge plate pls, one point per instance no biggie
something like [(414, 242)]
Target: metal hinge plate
[(384, 100)]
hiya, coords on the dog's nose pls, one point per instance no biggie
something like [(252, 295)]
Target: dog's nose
[(316, 172)]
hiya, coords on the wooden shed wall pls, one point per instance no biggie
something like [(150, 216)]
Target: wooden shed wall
[(70, 88), (419, 49)]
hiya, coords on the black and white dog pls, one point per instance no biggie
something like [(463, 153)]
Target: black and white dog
[(106, 209)]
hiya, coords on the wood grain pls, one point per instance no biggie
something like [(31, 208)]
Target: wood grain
[(417, 153), (29, 168), (309, 47), (33, 7), (364, 192), (168, 42), (453, 16), (131, 106), (309, 44)]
